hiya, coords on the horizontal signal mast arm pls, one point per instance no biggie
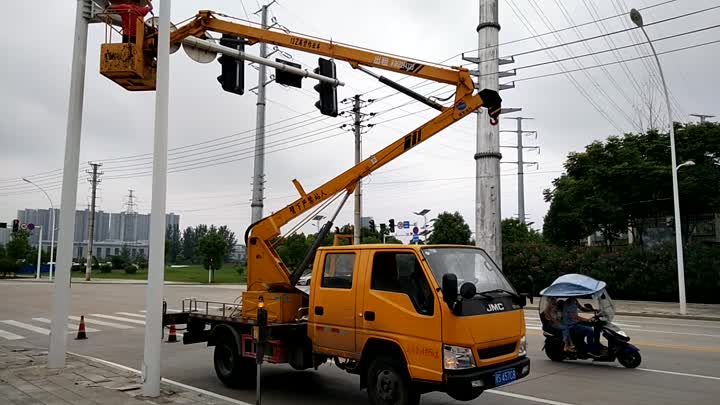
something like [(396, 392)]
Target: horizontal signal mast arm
[(207, 21)]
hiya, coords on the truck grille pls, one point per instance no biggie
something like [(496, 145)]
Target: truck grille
[(496, 351)]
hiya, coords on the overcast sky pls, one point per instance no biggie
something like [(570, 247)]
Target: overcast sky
[(212, 182)]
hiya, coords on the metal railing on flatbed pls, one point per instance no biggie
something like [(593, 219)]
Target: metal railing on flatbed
[(211, 308)]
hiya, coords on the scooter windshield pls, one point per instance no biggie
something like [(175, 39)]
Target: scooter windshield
[(469, 265)]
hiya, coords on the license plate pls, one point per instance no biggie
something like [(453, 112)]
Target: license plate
[(505, 376)]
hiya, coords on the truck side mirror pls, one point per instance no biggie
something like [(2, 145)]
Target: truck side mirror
[(449, 289)]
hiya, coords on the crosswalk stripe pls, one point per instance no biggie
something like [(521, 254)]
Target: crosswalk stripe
[(103, 323), (9, 335), (130, 314), (27, 326), (70, 326), (117, 318)]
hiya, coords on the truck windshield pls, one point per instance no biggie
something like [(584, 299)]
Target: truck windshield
[(469, 265)]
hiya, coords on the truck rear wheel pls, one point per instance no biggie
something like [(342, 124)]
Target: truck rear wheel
[(234, 370), (388, 383)]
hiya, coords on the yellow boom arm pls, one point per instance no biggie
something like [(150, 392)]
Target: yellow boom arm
[(266, 271)]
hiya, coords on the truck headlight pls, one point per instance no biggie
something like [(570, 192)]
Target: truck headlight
[(523, 346), (457, 358)]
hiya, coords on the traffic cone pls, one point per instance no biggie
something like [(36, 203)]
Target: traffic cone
[(81, 330), (172, 337)]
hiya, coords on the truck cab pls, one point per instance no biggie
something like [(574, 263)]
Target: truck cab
[(393, 315)]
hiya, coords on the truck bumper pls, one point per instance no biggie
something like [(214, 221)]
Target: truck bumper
[(479, 379)]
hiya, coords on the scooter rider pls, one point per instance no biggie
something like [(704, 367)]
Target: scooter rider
[(572, 321)]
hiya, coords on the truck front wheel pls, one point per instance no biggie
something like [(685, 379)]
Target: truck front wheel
[(388, 383), (234, 370)]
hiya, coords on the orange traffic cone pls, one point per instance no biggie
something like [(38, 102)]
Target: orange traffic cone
[(81, 329), (172, 337)]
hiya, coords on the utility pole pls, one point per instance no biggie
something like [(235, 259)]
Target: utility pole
[(487, 158), (521, 163), (358, 157), (259, 171), (94, 180), (702, 117)]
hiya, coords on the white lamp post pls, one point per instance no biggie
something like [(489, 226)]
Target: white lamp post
[(636, 17), (52, 229)]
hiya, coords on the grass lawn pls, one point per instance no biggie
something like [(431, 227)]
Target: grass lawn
[(192, 274)]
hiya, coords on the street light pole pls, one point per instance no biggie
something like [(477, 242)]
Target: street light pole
[(52, 228), (636, 17)]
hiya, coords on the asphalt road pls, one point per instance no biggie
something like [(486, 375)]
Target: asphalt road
[(681, 358)]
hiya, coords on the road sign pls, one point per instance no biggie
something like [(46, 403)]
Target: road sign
[(406, 224), (415, 230), (30, 226), (415, 238)]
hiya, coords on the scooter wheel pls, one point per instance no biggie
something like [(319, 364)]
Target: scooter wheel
[(630, 359)]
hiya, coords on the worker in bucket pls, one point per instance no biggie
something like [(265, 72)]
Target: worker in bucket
[(129, 11)]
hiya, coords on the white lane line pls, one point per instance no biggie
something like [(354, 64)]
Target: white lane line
[(713, 325), (71, 327), (131, 314), (707, 377), (178, 384), (527, 397), (103, 323), (117, 318), (27, 326), (9, 335)]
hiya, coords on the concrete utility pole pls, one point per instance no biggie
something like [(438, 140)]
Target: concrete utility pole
[(487, 158), (156, 263), (521, 163), (68, 199), (358, 158), (94, 180), (702, 117), (259, 172)]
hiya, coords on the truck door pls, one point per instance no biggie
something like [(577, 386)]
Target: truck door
[(332, 307), (400, 305)]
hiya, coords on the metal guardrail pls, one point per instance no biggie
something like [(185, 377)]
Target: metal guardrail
[(207, 307)]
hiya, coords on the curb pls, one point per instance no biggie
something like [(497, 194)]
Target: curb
[(660, 315)]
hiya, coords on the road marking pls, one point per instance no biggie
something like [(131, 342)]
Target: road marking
[(69, 325), (189, 387), (9, 335), (674, 333), (526, 397), (117, 318), (701, 349), (103, 323), (687, 325), (131, 314), (27, 326), (707, 377)]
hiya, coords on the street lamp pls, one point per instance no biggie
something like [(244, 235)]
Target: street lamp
[(636, 17), (52, 229), (317, 220), (688, 163)]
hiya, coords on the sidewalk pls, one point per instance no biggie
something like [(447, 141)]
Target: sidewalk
[(701, 312), (25, 379)]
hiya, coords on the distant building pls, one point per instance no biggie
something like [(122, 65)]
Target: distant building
[(112, 230)]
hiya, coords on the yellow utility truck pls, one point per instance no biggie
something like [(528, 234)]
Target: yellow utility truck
[(407, 319)]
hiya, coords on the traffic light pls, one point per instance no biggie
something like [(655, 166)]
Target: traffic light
[(328, 103), (383, 228), (287, 78), (391, 222), (232, 76), (16, 225), (372, 225)]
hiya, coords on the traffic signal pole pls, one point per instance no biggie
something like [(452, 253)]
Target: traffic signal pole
[(259, 170)]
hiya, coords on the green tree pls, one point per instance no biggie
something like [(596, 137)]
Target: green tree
[(627, 181), (18, 247), (514, 231), (229, 237), (293, 249), (450, 229), (212, 249), (173, 244)]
